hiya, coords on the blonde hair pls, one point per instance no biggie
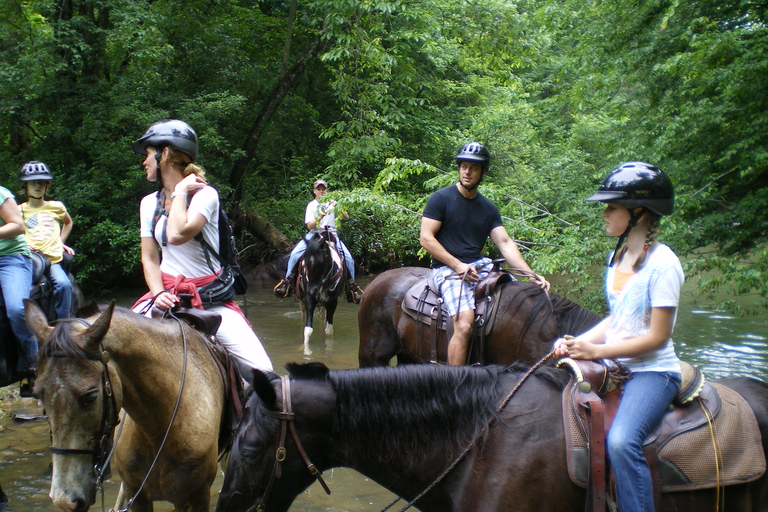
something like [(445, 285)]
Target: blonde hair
[(181, 160)]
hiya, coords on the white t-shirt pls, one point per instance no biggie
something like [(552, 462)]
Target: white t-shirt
[(656, 285), (187, 259), (314, 208)]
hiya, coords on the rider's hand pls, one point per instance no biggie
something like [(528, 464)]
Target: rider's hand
[(467, 272), (543, 283), (68, 250), (166, 300)]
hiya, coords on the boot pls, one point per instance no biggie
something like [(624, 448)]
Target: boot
[(284, 287), (355, 293)]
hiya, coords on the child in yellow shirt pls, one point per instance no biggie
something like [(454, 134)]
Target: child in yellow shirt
[(47, 225)]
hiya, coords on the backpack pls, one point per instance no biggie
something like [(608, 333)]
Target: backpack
[(227, 254)]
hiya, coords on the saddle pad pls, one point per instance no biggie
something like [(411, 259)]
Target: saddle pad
[(686, 457)]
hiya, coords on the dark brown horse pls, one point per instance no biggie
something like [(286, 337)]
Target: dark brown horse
[(91, 368), (320, 283), (403, 426), (527, 323)]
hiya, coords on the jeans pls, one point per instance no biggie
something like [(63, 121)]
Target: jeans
[(644, 401), (301, 247), (62, 291), (15, 282)]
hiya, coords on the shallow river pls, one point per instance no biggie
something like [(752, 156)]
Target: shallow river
[(721, 345)]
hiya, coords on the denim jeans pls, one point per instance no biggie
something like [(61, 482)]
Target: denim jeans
[(15, 282), (645, 399), (301, 247), (62, 291)]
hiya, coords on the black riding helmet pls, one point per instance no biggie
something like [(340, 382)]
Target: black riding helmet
[(633, 185), (474, 152), (170, 132), (35, 171), (636, 184)]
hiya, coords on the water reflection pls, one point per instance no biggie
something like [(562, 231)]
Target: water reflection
[(721, 345)]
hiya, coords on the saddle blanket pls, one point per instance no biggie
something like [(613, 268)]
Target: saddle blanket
[(690, 455)]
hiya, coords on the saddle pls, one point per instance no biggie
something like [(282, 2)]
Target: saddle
[(423, 303), (711, 440)]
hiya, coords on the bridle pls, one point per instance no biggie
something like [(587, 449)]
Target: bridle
[(286, 418), (102, 452)]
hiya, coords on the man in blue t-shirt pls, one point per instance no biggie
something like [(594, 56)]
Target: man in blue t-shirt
[(455, 225)]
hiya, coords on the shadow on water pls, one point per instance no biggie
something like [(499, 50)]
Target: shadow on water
[(721, 345)]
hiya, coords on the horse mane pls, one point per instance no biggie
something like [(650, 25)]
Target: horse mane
[(61, 344), (569, 316), (442, 406), (572, 318)]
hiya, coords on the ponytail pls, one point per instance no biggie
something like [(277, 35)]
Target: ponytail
[(650, 237)]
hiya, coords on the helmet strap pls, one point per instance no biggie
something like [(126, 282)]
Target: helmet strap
[(633, 219)]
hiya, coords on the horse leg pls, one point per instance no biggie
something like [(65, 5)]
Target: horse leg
[(309, 305), (330, 310)]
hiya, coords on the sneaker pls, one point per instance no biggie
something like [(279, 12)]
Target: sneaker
[(355, 294), (283, 288)]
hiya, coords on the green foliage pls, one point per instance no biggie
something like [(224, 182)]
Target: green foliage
[(560, 92)]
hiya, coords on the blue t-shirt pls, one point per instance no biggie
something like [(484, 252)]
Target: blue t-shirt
[(466, 223)]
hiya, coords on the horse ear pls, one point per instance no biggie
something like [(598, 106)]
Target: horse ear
[(262, 386), (94, 334), (314, 371), (36, 320)]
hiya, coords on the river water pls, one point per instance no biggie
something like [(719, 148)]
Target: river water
[(719, 344)]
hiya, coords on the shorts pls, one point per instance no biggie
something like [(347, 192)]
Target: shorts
[(459, 295)]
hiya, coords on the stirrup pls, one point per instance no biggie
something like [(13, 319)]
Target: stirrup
[(355, 294), (282, 288)]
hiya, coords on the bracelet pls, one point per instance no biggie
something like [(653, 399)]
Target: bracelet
[(178, 194)]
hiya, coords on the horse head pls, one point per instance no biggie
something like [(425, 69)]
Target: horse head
[(75, 384), (270, 458)]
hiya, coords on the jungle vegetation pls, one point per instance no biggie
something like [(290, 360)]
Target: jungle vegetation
[(376, 96)]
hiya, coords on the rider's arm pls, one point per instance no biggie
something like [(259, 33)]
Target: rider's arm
[(66, 227), (511, 253), (14, 224), (592, 345), (182, 225), (428, 240)]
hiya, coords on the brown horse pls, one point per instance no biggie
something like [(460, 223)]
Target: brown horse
[(403, 426), (90, 368), (527, 323)]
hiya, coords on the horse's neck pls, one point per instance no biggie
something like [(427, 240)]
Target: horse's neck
[(149, 363)]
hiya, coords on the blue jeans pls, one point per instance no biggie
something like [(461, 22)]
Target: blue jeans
[(62, 291), (301, 247), (15, 282), (644, 401)]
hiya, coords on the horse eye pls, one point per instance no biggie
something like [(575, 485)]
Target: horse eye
[(251, 452), (88, 398)]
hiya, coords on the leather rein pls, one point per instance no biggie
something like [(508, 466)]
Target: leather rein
[(286, 418)]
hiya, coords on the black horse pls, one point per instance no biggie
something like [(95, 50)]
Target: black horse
[(42, 294), (404, 426), (320, 283)]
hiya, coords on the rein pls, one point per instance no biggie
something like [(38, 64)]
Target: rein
[(286, 418), (129, 504), (105, 447), (472, 443)]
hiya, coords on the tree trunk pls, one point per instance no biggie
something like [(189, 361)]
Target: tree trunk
[(285, 84)]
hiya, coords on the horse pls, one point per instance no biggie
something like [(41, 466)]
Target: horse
[(404, 427), (42, 293), (162, 374), (320, 283), (527, 323)]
